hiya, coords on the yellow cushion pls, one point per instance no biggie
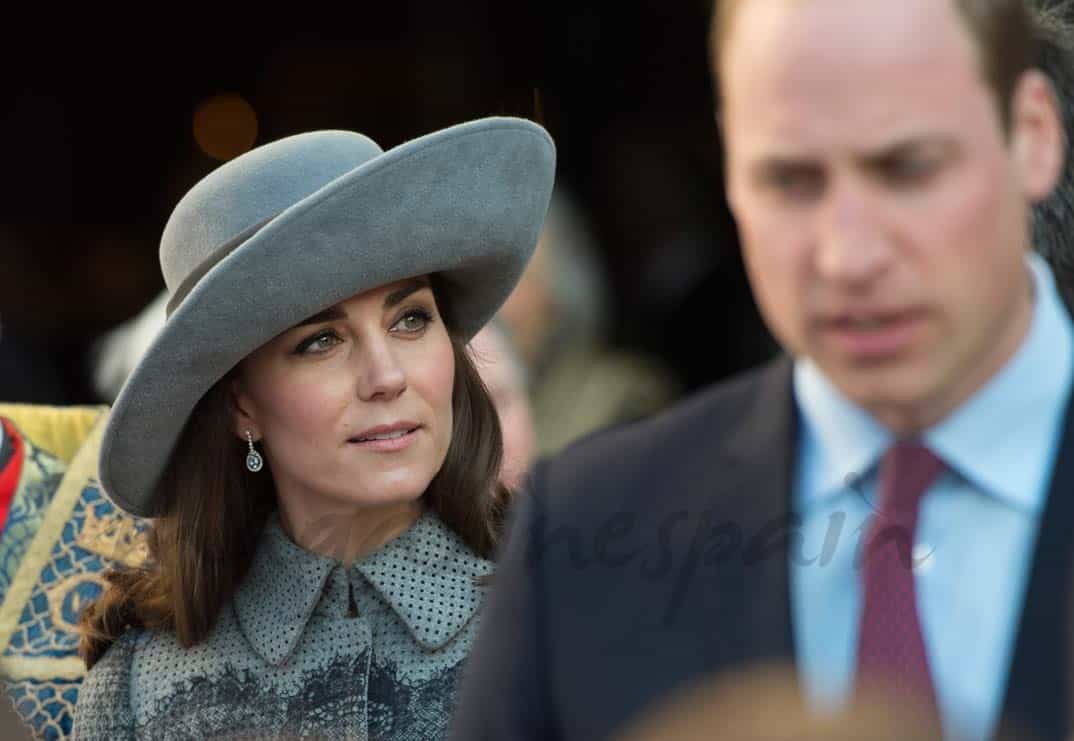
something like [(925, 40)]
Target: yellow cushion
[(59, 430)]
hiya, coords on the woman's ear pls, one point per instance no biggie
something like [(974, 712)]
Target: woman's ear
[(242, 418)]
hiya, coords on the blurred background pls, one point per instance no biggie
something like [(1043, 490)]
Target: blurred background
[(105, 128)]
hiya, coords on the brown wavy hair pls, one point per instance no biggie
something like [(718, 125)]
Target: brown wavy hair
[(201, 547)]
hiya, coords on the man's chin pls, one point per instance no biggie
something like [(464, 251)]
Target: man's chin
[(883, 391)]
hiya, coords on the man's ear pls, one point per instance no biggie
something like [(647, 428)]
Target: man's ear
[(1038, 141), (241, 409)]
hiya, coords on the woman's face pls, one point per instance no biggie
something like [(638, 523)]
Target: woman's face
[(352, 407)]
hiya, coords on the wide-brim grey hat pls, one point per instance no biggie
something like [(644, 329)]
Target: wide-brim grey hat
[(298, 225)]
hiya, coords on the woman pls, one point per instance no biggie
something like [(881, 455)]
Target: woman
[(313, 442)]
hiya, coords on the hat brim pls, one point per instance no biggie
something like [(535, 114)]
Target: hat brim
[(465, 203)]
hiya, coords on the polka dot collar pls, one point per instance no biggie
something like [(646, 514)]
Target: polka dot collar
[(426, 575)]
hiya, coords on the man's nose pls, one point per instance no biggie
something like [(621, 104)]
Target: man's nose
[(853, 246)]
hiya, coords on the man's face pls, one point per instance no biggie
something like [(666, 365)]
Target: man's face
[(882, 209)]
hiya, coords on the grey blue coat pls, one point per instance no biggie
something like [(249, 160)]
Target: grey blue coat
[(286, 659)]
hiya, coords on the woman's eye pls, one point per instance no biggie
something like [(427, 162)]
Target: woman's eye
[(413, 321), (319, 343)]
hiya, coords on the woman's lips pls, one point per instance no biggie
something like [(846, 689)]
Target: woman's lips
[(391, 443), (873, 339)]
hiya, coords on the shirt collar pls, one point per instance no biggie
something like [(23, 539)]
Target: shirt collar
[(839, 439), (286, 582), (1024, 401)]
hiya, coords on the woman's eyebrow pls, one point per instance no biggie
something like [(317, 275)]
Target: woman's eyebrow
[(328, 315), (396, 297)]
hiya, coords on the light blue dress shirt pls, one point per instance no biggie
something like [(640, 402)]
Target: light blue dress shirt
[(976, 531)]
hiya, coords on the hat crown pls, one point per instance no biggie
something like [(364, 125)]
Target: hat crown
[(251, 189)]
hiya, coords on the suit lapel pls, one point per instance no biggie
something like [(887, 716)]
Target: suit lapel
[(762, 456)]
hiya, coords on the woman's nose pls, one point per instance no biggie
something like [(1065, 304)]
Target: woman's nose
[(380, 375)]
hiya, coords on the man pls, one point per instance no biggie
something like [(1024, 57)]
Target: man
[(889, 503)]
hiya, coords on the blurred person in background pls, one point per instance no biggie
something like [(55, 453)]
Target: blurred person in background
[(558, 319), (116, 354), (312, 442), (764, 704), (886, 504), (505, 377)]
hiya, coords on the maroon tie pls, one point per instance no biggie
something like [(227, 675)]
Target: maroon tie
[(891, 648)]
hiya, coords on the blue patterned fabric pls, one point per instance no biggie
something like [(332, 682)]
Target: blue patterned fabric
[(43, 672), (46, 706), (97, 537), (40, 477)]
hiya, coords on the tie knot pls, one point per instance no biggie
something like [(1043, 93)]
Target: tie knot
[(906, 472)]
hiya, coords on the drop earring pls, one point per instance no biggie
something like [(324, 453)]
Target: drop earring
[(254, 461)]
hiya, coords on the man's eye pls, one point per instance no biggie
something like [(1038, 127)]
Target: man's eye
[(796, 184), (909, 171)]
